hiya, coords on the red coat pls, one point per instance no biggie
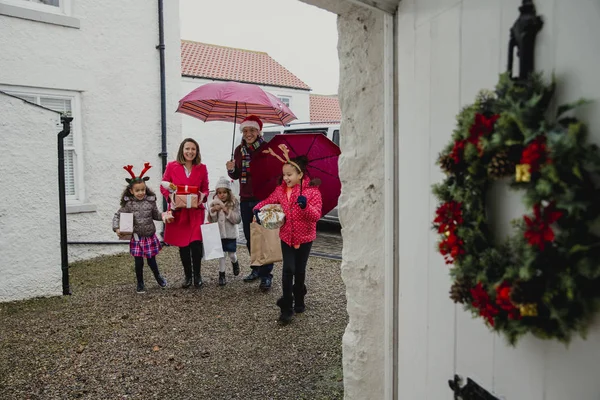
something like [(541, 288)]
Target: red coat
[(300, 225), (186, 227)]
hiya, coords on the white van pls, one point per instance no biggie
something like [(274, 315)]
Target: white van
[(331, 130)]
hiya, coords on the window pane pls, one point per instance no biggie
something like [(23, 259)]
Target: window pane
[(55, 3), (63, 106), (70, 172)]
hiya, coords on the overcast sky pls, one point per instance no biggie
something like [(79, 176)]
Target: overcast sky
[(301, 37)]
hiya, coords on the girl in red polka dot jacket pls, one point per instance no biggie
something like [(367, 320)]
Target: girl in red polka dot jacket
[(301, 203)]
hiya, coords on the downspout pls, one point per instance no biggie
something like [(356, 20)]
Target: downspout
[(163, 96), (62, 201)]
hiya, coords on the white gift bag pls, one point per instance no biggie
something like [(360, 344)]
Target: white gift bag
[(126, 225), (211, 240)]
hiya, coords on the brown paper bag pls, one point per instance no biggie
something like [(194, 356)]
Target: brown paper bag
[(265, 245)]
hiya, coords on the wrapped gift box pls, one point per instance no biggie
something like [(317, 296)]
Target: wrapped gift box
[(185, 189), (126, 225), (185, 201), (271, 216)]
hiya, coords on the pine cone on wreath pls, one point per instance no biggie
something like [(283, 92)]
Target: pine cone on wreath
[(460, 292), (446, 163), (501, 166)]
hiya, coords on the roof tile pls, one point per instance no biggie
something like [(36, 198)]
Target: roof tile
[(203, 60)]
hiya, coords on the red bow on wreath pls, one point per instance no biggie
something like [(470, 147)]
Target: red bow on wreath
[(482, 126), (538, 231)]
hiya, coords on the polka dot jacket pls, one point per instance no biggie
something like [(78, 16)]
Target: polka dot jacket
[(300, 225)]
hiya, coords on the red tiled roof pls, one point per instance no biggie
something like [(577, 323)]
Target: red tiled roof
[(203, 60), (324, 108)]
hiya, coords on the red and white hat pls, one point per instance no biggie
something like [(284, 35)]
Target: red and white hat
[(251, 121)]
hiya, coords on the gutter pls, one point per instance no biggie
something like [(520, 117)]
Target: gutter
[(62, 202), (163, 97), (241, 81)]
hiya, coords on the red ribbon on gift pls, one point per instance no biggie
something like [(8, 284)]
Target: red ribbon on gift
[(185, 189)]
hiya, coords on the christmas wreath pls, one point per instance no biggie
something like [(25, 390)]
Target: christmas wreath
[(545, 278)]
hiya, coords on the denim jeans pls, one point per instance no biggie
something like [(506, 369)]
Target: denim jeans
[(246, 208)]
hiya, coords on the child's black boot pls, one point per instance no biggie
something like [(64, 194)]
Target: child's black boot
[(299, 293), (236, 268), (287, 312), (162, 282), (222, 281)]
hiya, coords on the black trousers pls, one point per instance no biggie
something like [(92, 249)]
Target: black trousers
[(191, 256), (139, 268), (294, 267)]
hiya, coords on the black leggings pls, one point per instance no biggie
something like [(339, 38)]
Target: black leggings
[(139, 268), (191, 255), (294, 267)]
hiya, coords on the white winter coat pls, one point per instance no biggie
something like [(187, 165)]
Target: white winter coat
[(228, 224)]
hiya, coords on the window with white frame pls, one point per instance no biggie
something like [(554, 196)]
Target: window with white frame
[(51, 6), (285, 100), (64, 102)]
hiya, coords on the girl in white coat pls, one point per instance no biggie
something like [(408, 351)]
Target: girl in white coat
[(225, 210)]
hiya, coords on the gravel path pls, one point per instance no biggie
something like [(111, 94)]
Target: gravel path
[(107, 342)]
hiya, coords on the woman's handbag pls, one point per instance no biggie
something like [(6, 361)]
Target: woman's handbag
[(265, 245)]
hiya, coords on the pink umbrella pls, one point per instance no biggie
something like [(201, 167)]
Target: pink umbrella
[(322, 155), (232, 102)]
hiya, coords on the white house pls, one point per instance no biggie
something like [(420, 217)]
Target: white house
[(407, 67), (202, 63), (99, 62)]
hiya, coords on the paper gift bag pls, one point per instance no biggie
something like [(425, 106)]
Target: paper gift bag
[(185, 201), (211, 240), (126, 225), (265, 245)]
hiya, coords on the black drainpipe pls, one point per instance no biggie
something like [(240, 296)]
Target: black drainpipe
[(64, 256), (163, 95)]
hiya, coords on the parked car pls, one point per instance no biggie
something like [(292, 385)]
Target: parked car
[(332, 131)]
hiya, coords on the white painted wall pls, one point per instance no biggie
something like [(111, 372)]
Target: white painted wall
[(215, 138), (112, 62), (29, 218), (447, 51)]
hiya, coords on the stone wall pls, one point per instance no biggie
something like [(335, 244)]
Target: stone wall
[(360, 49)]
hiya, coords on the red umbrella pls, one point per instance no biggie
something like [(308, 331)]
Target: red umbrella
[(322, 156), (232, 102)]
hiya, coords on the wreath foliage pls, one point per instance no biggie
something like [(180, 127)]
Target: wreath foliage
[(545, 278)]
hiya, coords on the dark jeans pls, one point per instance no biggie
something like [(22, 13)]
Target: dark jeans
[(246, 207), (294, 267), (139, 268), (191, 255)]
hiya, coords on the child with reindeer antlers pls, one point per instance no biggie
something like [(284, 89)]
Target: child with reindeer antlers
[(139, 199), (301, 203)]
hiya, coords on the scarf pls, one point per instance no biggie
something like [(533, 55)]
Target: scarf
[(247, 150)]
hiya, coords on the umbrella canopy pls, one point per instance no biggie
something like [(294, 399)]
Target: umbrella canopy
[(322, 156), (234, 101)]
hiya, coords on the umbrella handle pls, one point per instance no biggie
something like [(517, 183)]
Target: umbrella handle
[(233, 138)]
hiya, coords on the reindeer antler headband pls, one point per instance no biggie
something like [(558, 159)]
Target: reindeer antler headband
[(286, 154), (137, 179)]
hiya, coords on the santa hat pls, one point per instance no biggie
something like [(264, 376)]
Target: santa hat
[(223, 183), (251, 121)]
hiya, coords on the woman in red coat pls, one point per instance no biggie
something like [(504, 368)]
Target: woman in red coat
[(184, 232)]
